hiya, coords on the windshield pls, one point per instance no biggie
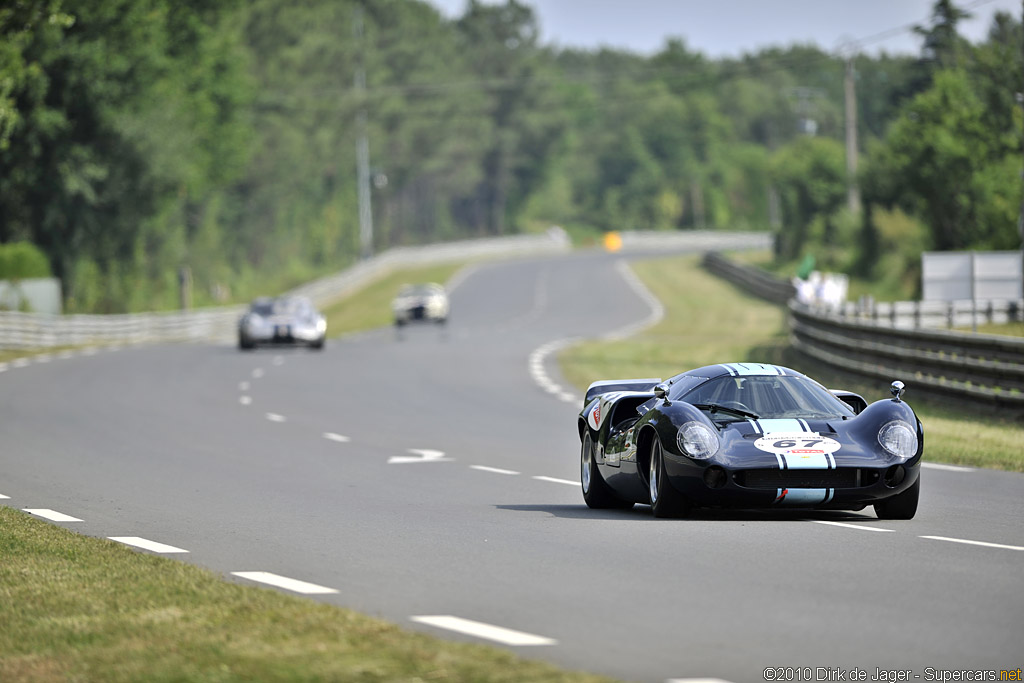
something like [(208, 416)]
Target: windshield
[(768, 397)]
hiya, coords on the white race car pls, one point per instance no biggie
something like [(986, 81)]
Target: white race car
[(284, 320), (427, 302)]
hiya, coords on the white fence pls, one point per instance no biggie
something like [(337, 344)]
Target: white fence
[(962, 313)]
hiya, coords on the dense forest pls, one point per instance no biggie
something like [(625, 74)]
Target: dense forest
[(142, 137)]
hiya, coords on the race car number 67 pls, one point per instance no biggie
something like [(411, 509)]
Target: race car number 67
[(797, 443)]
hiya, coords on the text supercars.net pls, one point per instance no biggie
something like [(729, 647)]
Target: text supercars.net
[(828, 673)]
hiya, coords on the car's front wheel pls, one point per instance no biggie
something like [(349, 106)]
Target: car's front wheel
[(902, 505), (665, 500), (596, 491)]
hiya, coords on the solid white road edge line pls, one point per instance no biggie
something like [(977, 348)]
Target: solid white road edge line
[(51, 515), (274, 417), (497, 634), (967, 542), (146, 544), (558, 481), (947, 468), (3, 497), (496, 470), (340, 438), (284, 582), (850, 526)]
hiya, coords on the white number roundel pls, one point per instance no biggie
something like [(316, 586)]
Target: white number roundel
[(802, 443)]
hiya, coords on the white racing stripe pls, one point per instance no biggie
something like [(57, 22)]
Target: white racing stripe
[(146, 544), (51, 515), (967, 542), (947, 468), (851, 526), (558, 481), (293, 585), (495, 470), (497, 634), (331, 436)]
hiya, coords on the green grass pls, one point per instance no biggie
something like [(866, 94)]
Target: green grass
[(707, 320), (370, 307), (75, 608), (1008, 329)]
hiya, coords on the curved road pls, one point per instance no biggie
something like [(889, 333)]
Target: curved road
[(436, 474)]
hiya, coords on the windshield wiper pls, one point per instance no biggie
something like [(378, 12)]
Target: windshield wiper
[(715, 408)]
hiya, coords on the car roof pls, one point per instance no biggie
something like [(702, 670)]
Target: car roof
[(740, 370)]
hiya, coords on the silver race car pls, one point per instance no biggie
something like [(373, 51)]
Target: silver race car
[(427, 302), (282, 320)]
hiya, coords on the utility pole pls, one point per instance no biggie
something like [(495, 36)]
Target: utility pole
[(362, 144), (852, 191)]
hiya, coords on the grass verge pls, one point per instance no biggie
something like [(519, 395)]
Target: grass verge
[(708, 320), (75, 608)]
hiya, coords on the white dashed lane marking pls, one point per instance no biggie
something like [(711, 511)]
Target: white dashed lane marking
[(331, 436), (51, 515), (3, 497), (293, 585), (967, 542), (558, 481), (419, 455), (851, 526), (495, 470), (146, 544), (257, 373), (947, 468), (274, 417), (245, 400), (278, 360), (497, 634), (243, 386)]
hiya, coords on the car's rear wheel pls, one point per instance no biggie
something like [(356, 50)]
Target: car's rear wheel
[(902, 505), (665, 500), (596, 491)]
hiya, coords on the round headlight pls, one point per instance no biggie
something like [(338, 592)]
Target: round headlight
[(697, 440), (899, 438)]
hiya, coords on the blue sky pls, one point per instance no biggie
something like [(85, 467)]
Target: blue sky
[(731, 27)]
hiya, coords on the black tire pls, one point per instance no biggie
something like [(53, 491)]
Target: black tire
[(902, 505), (245, 343), (318, 344), (665, 500), (596, 491)]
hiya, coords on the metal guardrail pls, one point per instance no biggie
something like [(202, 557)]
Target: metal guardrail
[(20, 331), (982, 369), (758, 282)]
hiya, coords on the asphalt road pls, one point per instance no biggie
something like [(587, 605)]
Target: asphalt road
[(435, 473)]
